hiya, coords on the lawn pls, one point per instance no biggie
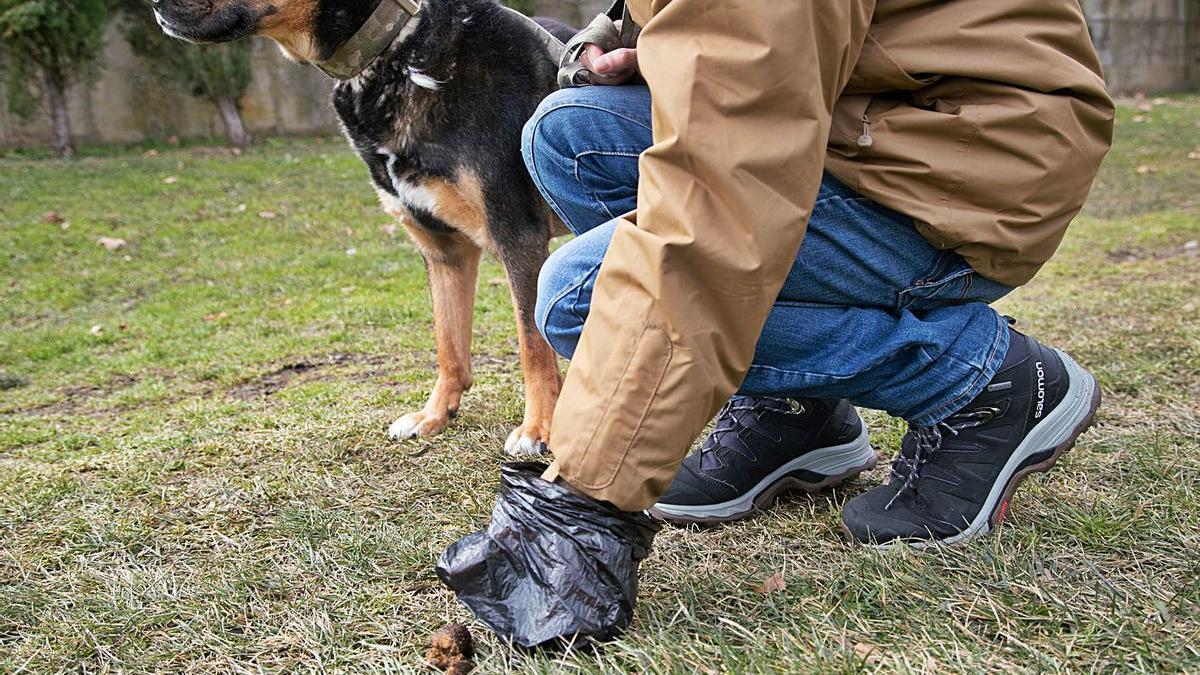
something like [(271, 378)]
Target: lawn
[(195, 475)]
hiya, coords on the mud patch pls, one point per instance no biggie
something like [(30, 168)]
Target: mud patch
[(75, 398), (303, 371)]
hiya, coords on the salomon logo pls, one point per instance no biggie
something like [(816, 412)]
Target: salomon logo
[(1041, 396)]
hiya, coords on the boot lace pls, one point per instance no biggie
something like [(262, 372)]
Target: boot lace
[(927, 440), (744, 414)]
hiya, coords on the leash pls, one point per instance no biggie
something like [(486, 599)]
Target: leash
[(391, 16), (602, 32)]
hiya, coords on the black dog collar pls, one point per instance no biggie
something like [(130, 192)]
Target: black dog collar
[(373, 39), (381, 29)]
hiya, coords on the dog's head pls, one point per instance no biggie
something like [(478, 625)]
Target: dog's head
[(308, 30)]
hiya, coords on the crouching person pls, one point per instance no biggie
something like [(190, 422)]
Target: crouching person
[(799, 212)]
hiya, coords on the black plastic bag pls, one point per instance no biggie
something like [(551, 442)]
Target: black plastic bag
[(552, 566)]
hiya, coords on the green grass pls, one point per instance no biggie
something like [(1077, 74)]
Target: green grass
[(205, 484)]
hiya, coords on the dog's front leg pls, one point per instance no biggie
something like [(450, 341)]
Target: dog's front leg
[(452, 262), (539, 363)]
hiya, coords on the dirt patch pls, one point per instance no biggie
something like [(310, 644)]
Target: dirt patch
[(75, 397), (305, 370), (1134, 254)]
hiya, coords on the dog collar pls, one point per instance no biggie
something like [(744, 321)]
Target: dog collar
[(373, 39)]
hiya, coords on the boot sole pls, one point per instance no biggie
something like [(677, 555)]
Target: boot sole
[(1060, 430), (835, 463)]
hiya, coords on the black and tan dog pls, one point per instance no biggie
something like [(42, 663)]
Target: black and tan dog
[(433, 96)]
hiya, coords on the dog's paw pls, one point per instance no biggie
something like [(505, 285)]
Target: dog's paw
[(527, 441), (417, 424)]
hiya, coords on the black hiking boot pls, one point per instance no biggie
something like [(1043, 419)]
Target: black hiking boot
[(762, 446), (953, 481)]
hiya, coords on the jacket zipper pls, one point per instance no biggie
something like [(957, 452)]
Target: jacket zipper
[(866, 140)]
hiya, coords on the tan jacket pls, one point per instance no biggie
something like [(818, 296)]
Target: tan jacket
[(986, 121)]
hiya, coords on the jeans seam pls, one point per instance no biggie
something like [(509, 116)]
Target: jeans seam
[(591, 193), (579, 286), (610, 111), (575, 286), (536, 174)]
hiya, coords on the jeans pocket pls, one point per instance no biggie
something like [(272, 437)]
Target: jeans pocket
[(951, 281)]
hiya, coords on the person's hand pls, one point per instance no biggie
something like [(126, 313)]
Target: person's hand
[(615, 67)]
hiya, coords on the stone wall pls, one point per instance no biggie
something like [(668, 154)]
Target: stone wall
[(1151, 45), (1147, 45)]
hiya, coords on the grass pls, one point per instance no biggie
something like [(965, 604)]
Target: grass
[(194, 474)]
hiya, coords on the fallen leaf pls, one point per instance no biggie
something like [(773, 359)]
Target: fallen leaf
[(346, 290), (1195, 154), (171, 180), (1162, 100), (389, 230), (772, 584), (150, 153), (1139, 510), (1140, 119), (97, 329), (237, 152), (268, 215), (53, 217), (215, 317), (123, 327), (1145, 170), (349, 232), (111, 243), (1145, 107), (865, 650)]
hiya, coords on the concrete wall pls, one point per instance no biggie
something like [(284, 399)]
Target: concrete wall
[(127, 104), (1147, 45), (1151, 45)]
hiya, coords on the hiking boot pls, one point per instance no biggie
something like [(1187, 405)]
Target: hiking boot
[(953, 481), (761, 447)]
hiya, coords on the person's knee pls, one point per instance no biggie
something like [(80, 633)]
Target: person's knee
[(553, 131)]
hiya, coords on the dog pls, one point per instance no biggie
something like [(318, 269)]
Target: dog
[(437, 118)]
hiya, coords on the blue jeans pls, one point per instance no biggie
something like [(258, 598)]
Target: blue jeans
[(870, 312)]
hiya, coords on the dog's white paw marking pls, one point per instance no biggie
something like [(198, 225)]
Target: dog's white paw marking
[(417, 424), (521, 443), (405, 427)]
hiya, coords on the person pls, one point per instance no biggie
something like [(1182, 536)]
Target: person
[(800, 208)]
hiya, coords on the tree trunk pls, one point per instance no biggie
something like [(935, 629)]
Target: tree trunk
[(235, 127), (56, 97)]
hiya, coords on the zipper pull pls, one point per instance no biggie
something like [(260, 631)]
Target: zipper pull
[(866, 140)]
